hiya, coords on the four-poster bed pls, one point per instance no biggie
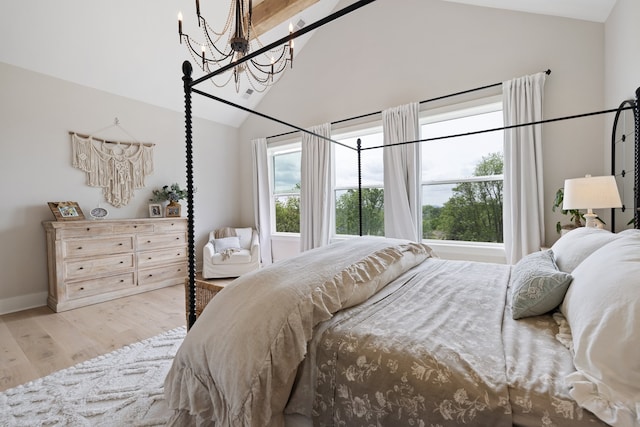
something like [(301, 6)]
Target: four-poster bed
[(377, 331)]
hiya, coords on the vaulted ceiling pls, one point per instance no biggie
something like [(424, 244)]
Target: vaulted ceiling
[(131, 48)]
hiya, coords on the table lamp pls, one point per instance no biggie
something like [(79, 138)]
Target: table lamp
[(591, 192)]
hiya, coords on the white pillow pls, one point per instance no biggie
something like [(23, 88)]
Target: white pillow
[(224, 243), (572, 248), (602, 307), (245, 235)]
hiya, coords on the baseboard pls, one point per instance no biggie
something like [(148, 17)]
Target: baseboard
[(23, 302)]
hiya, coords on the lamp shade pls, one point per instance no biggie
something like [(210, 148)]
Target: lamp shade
[(591, 192)]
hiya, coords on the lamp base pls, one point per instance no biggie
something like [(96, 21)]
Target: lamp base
[(591, 221)]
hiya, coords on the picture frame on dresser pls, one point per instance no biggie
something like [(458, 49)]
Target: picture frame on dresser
[(155, 210), (66, 211), (173, 210)]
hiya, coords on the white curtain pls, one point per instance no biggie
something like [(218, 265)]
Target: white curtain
[(315, 189), (523, 214), (261, 197), (402, 216)]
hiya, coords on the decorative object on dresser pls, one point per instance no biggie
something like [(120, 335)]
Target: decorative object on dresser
[(91, 262), (66, 211), (155, 210), (172, 194)]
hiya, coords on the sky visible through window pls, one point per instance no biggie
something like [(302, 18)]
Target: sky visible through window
[(445, 159)]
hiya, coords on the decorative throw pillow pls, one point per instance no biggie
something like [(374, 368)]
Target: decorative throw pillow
[(245, 235), (537, 285), (572, 248), (224, 243), (602, 307)]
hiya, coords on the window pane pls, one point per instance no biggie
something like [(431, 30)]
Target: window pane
[(287, 214), (286, 172), (469, 211), (346, 162), (455, 158), (347, 215)]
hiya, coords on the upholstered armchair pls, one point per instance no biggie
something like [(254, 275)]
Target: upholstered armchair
[(231, 252)]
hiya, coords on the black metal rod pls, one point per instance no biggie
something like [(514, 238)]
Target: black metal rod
[(627, 103), (355, 6), (186, 78), (359, 145), (636, 188), (257, 113), (437, 98), (519, 125)]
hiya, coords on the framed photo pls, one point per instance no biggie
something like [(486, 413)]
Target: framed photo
[(172, 210), (66, 211), (155, 210)]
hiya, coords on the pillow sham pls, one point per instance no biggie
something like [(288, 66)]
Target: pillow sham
[(602, 307), (245, 235), (572, 248), (224, 243), (537, 285)]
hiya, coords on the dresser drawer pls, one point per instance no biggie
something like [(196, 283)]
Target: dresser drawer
[(132, 228), (157, 241), (102, 285), (101, 246), (173, 272), (88, 267), (162, 257), (172, 226), (92, 230)]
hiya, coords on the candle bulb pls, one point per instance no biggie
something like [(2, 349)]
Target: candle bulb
[(203, 60), (198, 7), (291, 53), (180, 26), (272, 61)]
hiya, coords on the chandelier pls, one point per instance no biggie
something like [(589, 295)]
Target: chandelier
[(231, 44)]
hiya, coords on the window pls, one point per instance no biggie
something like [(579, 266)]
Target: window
[(346, 183), (462, 177), (285, 187)]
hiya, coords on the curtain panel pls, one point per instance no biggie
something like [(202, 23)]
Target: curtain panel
[(315, 189), (402, 210), (262, 197), (523, 182)]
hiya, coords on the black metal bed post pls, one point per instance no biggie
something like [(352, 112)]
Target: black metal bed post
[(358, 147), (636, 178), (186, 78)]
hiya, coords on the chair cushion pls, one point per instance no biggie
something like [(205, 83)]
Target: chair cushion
[(245, 235), (243, 256), (224, 243)]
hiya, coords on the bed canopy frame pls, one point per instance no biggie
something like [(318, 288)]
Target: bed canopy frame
[(627, 113)]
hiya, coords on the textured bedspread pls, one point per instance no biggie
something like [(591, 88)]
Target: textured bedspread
[(238, 362), (438, 347), (412, 357)]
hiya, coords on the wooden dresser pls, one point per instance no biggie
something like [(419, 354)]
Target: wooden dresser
[(99, 260)]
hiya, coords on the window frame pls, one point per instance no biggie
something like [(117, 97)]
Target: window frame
[(274, 149), (452, 111)]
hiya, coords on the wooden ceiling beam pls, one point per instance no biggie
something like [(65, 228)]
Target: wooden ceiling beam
[(269, 13)]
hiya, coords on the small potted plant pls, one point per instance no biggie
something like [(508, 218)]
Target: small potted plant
[(171, 193), (575, 215)]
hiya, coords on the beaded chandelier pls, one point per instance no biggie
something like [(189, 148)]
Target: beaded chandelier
[(236, 40)]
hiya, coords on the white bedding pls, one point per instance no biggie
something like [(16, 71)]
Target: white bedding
[(236, 366)]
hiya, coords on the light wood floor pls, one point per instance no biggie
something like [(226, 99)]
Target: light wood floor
[(37, 342)]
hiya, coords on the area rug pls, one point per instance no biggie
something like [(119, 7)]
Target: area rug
[(121, 388)]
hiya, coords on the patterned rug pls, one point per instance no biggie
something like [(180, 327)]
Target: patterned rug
[(121, 388)]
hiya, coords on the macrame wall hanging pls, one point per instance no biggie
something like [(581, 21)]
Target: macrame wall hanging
[(118, 167)]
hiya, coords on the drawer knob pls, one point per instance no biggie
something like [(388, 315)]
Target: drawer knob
[(81, 268), (121, 280), (135, 226), (120, 244), (148, 241), (149, 258), (151, 275), (79, 247), (88, 229), (121, 262), (82, 288)]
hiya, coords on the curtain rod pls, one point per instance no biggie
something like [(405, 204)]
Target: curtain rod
[(557, 119), (438, 98)]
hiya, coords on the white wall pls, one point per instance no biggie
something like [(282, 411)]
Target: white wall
[(384, 55), (36, 114)]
